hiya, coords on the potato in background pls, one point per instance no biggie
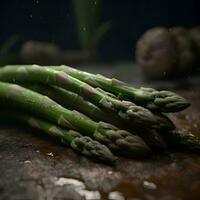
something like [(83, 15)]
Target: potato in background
[(155, 53)]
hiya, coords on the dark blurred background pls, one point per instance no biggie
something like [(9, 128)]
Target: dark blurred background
[(54, 22)]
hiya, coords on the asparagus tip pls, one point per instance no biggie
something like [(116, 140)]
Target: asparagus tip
[(132, 145), (123, 142), (171, 102), (141, 114), (93, 149)]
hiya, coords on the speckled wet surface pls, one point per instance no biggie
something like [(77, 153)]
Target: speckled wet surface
[(34, 167)]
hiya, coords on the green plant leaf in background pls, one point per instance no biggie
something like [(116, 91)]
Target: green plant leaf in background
[(6, 56), (90, 32), (98, 34)]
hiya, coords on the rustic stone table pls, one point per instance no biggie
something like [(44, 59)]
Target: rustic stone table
[(33, 167)]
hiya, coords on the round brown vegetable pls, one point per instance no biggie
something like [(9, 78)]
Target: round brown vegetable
[(185, 52), (156, 54)]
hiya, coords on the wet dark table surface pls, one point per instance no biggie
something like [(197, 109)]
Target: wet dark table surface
[(33, 167)]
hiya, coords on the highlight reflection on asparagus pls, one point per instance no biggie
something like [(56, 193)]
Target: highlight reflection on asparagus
[(161, 101), (117, 140), (34, 73), (82, 144)]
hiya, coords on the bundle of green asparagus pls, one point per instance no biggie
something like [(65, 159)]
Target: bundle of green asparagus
[(95, 115)]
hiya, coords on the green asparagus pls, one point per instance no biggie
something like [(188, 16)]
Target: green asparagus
[(34, 73), (154, 140), (117, 140), (73, 101), (182, 140), (160, 101), (82, 144)]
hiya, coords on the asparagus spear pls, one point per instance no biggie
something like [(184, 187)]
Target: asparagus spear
[(73, 101), (182, 140), (160, 101), (119, 141), (82, 144), (33, 73)]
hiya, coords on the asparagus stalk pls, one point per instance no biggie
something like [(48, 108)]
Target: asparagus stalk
[(82, 144), (119, 141), (155, 140), (33, 73), (182, 140), (160, 101), (74, 101)]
